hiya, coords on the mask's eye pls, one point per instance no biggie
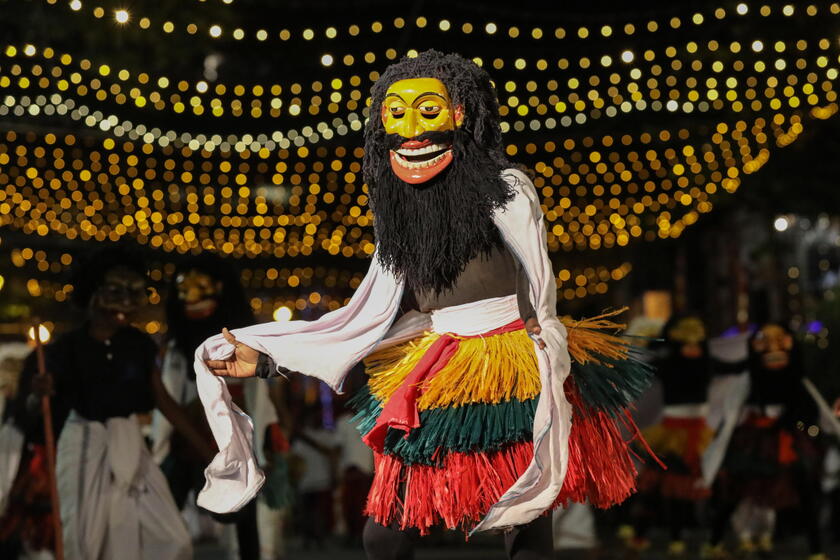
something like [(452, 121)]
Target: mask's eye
[(430, 111), (397, 112)]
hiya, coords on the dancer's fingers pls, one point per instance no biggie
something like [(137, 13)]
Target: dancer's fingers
[(228, 336), (217, 364)]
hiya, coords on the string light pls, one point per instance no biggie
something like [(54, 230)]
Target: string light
[(594, 222), (292, 192), (121, 16), (445, 26), (607, 103), (599, 109), (335, 285), (282, 314)]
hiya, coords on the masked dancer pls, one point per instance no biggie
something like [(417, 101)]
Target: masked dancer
[(471, 412)]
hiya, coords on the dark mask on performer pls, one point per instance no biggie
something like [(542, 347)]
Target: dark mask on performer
[(120, 295)]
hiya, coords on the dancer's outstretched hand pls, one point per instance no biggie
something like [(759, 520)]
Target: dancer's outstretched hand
[(242, 363), (532, 326)]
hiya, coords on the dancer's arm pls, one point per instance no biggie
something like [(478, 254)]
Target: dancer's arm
[(179, 419)]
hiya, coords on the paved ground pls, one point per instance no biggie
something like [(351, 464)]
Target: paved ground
[(491, 549)]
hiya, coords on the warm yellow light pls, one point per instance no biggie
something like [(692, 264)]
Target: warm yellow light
[(2, 281), (121, 16), (282, 313), (215, 31), (43, 334)]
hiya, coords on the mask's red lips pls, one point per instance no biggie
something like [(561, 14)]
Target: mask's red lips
[(414, 144)]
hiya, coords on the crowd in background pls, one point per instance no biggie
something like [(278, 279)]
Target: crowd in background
[(747, 444)]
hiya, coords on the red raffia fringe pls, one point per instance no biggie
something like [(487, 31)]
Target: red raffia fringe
[(601, 469), (458, 493), (461, 491)]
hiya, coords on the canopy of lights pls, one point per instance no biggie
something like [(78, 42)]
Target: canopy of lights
[(212, 128)]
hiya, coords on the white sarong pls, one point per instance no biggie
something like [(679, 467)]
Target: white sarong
[(115, 502), (11, 450)]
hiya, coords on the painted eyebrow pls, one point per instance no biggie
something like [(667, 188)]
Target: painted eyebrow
[(394, 95), (431, 93)]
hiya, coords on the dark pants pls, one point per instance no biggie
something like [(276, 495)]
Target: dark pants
[(184, 476), (533, 541), (316, 516), (354, 491)]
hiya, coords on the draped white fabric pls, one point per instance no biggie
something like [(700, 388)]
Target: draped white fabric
[(11, 451), (182, 389), (115, 502)]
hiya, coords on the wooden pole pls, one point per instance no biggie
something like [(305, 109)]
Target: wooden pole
[(49, 443)]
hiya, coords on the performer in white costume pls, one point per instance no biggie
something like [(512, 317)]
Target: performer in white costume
[(115, 502)]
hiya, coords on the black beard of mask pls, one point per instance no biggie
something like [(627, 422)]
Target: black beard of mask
[(427, 233)]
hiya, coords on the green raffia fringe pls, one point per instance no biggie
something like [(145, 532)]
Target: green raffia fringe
[(478, 427), (612, 385)]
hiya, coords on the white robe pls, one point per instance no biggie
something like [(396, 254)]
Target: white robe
[(115, 503), (11, 452), (330, 346)]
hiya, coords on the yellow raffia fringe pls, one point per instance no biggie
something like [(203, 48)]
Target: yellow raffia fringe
[(587, 340), (483, 370), (491, 369), (666, 440), (388, 368)]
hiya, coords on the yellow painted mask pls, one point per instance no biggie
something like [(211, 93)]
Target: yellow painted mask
[(690, 332), (412, 108), (199, 292), (774, 344)]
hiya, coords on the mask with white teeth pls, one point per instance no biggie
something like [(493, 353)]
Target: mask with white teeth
[(416, 110)]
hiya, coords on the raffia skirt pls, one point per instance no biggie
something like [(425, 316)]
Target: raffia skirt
[(679, 441), (472, 434)]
